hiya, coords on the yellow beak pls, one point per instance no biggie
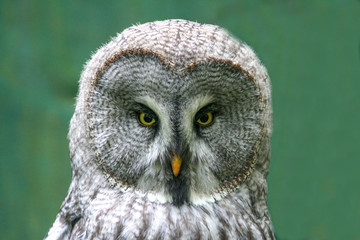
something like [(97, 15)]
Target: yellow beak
[(176, 164)]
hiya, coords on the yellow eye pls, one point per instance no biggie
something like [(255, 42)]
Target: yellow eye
[(147, 119), (205, 119)]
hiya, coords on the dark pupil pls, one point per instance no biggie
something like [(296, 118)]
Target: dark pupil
[(204, 118), (147, 118)]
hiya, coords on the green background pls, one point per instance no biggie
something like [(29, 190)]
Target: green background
[(311, 50)]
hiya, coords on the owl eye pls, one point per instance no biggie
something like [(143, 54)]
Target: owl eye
[(147, 119), (205, 119)]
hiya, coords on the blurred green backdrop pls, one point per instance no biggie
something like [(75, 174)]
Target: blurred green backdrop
[(311, 50)]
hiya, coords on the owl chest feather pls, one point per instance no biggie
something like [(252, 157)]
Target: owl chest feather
[(133, 217)]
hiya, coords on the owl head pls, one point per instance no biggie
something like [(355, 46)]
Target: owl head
[(176, 111)]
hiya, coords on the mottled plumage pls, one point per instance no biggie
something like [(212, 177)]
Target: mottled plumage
[(160, 92)]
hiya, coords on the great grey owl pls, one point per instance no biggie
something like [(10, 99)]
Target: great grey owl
[(170, 139)]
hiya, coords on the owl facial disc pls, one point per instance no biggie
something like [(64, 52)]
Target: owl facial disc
[(181, 126)]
